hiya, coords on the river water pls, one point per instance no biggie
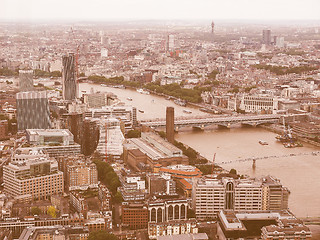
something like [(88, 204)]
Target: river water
[(300, 173)]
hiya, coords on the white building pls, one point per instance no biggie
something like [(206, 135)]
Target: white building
[(211, 195), (259, 103), (111, 137), (49, 136), (33, 179)]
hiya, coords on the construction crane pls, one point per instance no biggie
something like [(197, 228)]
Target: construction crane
[(77, 59), (106, 140), (213, 160)]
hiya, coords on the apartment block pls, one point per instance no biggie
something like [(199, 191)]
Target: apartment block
[(82, 175)]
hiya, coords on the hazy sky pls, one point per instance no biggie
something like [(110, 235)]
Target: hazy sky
[(158, 9)]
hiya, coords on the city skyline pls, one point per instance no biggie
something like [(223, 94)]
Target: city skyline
[(95, 10)]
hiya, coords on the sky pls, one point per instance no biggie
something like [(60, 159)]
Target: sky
[(104, 10)]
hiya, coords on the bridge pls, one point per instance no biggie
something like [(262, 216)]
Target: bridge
[(225, 121)]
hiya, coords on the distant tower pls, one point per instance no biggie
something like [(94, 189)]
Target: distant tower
[(69, 84), (266, 37), (170, 124), (33, 110), (26, 80), (170, 43), (212, 27)]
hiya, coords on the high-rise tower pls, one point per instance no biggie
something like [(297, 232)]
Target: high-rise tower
[(266, 37), (170, 124), (33, 110), (212, 27), (69, 81), (26, 80), (170, 43)]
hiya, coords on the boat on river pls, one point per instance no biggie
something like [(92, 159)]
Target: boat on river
[(180, 102), (263, 142)]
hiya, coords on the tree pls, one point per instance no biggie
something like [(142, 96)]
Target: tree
[(35, 211), (101, 235), (52, 211), (233, 171), (134, 134), (162, 134), (191, 213), (117, 198)]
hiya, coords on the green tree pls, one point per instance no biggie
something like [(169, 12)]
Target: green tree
[(162, 134), (117, 198), (191, 213), (102, 235), (134, 134), (213, 74), (52, 211), (35, 211)]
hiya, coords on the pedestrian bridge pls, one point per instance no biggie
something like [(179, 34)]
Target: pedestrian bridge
[(225, 121)]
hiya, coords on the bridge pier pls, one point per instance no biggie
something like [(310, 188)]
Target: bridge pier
[(223, 125), (198, 128)]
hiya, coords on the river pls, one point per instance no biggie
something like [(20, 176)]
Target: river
[(300, 174)]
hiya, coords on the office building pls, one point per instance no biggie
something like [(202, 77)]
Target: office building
[(33, 179), (69, 81), (259, 104), (3, 129), (134, 215), (49, 137), (26, 80), (266, 225), (211, 195), (55, 232), (170, 124), (74, 122), (266, 37), (170, 43), (90, 135), (133, 188), (99, 100), (33, 110), (127, 114), (160, 184)]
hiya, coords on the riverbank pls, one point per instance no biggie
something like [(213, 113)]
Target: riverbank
[(279, 130)]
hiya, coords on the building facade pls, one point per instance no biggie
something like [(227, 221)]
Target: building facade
[(259, 104), (211, 195), (69, 84), (134, 215), (82, 175), (26, 80), (167, 210), (33, 179), (33, 110), (172, 228), (49, 136)]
